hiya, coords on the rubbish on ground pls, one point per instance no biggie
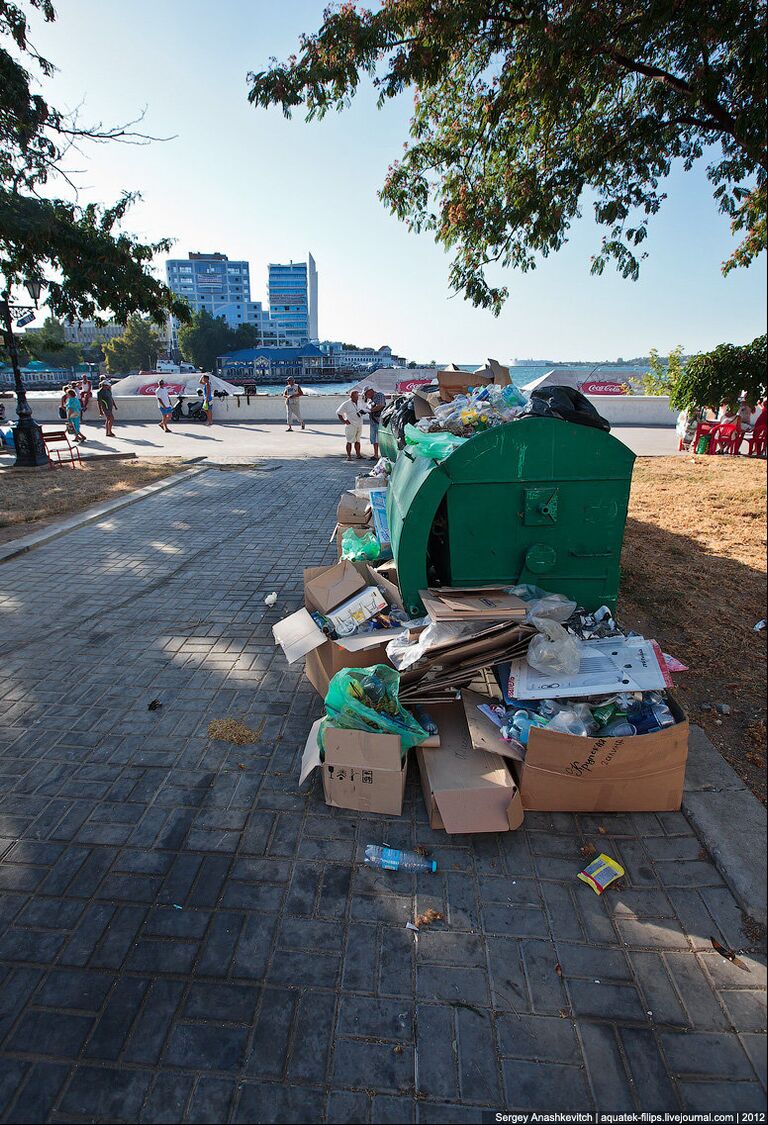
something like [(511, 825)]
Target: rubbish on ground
[(428, 917), (601, 873), (729, 955), (588, 850), (359, 771), (466, 790), (270, 599), (232, 730), (359, 548), (478, 603), (673, 664), (759, 627), (553, 650), (392, 859), (379, 514), (155, 705), (615, 664), (559, 969)]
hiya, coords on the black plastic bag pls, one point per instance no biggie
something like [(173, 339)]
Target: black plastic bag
[(400, 414), (565, 403)]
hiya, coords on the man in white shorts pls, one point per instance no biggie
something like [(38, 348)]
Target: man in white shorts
[(352, 417)]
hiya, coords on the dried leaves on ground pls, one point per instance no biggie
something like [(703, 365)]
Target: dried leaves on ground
[(694, 577), (232, 730)]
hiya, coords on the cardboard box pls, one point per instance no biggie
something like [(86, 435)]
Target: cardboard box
[(353, 509), (341, 528), (466, 790), (361, 771), (565, 773), (355, 611), (369, 482), (453, 381), (332, 586)]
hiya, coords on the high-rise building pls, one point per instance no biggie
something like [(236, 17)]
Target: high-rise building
[(221, 287), (292, 291)]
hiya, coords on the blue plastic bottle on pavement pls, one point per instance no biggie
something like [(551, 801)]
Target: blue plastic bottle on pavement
[(392, 859)]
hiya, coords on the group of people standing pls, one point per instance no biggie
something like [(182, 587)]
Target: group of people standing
[(163, 396), (353, 412), (74, 401)]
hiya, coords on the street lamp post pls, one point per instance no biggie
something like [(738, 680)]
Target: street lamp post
[(27, 435)]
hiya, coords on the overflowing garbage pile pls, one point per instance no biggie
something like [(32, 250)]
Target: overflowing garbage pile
[(510, 698), (433, 420)]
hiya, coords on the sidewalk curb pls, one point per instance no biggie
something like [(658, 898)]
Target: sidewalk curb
[(730, 822), (21, 546)]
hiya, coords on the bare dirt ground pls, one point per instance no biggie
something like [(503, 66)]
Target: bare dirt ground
[(694, 577), (30, 499)]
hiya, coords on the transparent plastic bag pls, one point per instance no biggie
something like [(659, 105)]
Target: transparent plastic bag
[(542, 603), (359, 548), (553, 649), (367, 699)]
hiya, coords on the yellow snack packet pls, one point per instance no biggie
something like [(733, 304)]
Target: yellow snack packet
[(600, 873)]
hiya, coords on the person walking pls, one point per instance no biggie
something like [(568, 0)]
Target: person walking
[(352, 416), (63, 401), (375, 402), (74, 414), (164, 402), (85, 389), (292, 394), (106, 405), (205, 383)]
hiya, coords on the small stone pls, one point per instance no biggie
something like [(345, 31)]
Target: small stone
[(722, 708)]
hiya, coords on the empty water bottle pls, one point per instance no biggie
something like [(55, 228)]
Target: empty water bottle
[(519, 726), (619, 728), (392, 859)]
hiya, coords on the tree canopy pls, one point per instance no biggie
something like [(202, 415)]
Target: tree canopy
[(136, 350), (206, 337), (79, 252), (527, 112), (722, 375), (51, 346)]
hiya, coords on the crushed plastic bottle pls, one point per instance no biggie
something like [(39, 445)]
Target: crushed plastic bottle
[(519, 726), (392, 859)]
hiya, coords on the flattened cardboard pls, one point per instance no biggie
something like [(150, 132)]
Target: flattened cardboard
[(608, 665), (483, 733), (297, 635), (481, 603), (466, 790), (332, 586), (566, 773)]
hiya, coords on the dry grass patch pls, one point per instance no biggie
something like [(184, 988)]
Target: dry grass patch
[(694, 577), (36, 497)]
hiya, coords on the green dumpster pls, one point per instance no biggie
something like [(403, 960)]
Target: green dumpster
[(537, 500), (388, 444)]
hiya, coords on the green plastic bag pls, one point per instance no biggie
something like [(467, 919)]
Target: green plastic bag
[(367, 699), (435, 446), (359, 548)]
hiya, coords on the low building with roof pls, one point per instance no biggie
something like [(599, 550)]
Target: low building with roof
[(257, 366)]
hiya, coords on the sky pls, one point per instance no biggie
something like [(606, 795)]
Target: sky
[(253, 185)]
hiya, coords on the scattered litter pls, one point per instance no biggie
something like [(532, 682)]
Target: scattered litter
[(558, 969), (392, 859), (397, 1049), (760, 626), (232, 730), (427, 917), (729, 955), (412, 926), (601, 873), (602, 830), (588, 850), (422, 851), (155, 705), (177, 907), (270, 599)]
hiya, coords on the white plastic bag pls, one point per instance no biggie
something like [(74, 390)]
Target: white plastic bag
[(553, 649)]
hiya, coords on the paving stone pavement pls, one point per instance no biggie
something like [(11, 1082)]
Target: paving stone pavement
[(184, 936)]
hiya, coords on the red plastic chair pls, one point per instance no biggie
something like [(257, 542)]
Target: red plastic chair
[(728, 438), (705, 429), (756, 441)]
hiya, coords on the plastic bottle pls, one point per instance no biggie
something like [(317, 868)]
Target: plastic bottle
[(392, 859), (620, 728), (572, 722), (520, 726)]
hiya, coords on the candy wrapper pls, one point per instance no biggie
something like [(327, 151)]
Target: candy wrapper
[(600, 873)]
